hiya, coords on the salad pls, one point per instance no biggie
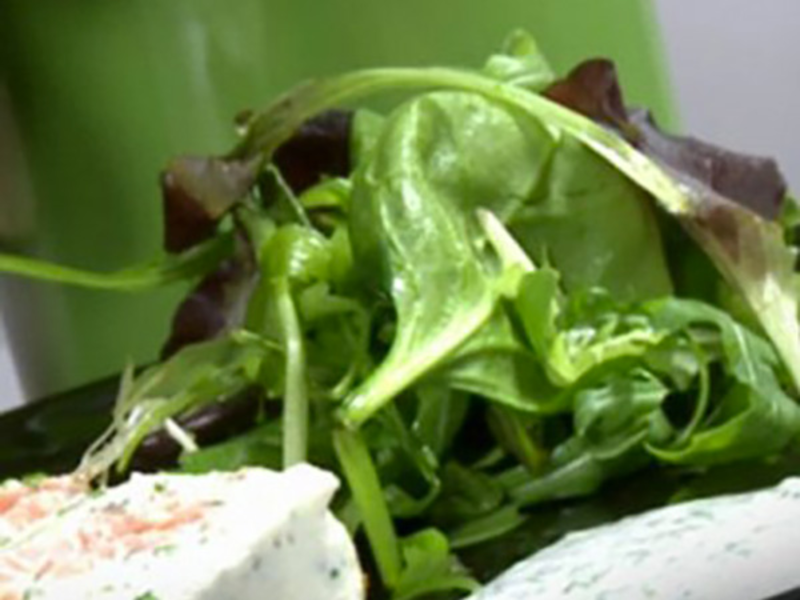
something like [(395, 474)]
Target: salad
[(506, 291)]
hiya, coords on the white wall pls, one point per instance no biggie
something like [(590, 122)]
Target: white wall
[(10, 391), (735, 68), (736, 76)]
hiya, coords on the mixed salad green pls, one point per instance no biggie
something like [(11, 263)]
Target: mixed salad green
[(505, 291)]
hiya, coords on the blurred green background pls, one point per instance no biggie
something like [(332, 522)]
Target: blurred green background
[(96, 95)]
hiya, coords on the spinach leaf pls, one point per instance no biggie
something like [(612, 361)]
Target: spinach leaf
[(494, 364), (413, 224), (595, 227)]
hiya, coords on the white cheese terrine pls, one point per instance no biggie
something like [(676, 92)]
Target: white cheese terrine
[(742, 547), (252, 534)]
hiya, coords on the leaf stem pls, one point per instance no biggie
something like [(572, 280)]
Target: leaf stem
[(365, 486), (192, 263), (269, 128), (295, 404), (701, 405), (517, 440)]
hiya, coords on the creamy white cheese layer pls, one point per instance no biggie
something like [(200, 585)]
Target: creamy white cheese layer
[(742, 547), (253, 534)]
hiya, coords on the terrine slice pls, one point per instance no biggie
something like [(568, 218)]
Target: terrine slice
[(738, 547), (250, 534)]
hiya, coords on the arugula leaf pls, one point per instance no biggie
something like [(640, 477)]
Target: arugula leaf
[(430, 568), (261, 446), (496, 365), (493, 525), (605, 416), (196, 376), (573, 339), (751, 254), (754, 417), (613, 421)]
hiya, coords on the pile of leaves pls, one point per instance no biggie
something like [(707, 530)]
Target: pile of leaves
[(507, 291)]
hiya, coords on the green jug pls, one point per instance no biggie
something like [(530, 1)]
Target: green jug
[(96, 95)]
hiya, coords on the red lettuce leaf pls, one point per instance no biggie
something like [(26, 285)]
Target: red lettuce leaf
[(729, 204), (320, 148), (197, 192), (218, 303), (754, 182)]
